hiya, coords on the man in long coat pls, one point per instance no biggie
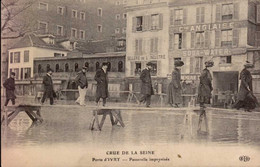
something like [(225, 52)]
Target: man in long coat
[(9, 85), (245, 97), (205, 85), (48, 87), (146, 86), (102, 84), (82, 82), (174, 88)]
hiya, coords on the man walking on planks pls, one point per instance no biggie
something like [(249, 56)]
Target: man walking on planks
[(82, 82), (48, 87), (9, 85), (102, 84), (146, 87)]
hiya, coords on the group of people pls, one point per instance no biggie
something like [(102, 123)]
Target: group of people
[(246, 98)]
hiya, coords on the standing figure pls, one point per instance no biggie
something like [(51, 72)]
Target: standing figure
[(146, 87), (174, 88), (9, 85), (245, 97), (102, 84), (205, 85), (82, 82), (48, 87)]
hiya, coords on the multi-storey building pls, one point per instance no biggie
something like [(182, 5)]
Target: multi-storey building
[(195, 31)]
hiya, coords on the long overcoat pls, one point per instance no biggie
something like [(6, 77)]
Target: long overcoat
[(174, 88), (9, 85), (146, 85), (102, 83), (81, 80), (205, 87), (48, 86), (246, 81)]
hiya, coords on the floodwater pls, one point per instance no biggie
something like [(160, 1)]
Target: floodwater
[(64, 139)]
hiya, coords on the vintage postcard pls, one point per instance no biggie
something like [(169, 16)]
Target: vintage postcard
[(146, 83)]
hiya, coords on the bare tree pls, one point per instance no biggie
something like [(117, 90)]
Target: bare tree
[(11, 25)]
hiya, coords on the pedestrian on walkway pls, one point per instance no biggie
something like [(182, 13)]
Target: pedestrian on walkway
[(175, 88), (9, 85), (48, 87), (102, 84), (146, 86), (82, 83), (245, 96), (205, 85)]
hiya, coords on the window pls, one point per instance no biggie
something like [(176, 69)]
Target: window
[(177, 41), (200, 14), (82, 34), (26, 56), (124, 16), (99, 28), (87, 64), (155, 21), (154, 45), (48, 67), (74, 14), (226, 38), (108, 66), (139, 23), (200, 39), (74, 33), (27, 73), (59, 30), (117, 30), (82, 15), (11, 58), (178, 13), (21, 77), (227, 11), (120, 66), (225, 60), (57, 68), (66, 67), (138, 46), (39, 68), (43, 26), (58, 55), (76, 67), (138, 67), (117, 16), (154, 68), (16, 71), (60, 10), (198, 64), (121, 43), (43, 6), (16, 57), (99, 12), (97, 65), (124, 30)]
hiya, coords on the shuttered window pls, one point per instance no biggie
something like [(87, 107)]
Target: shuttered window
[(207, 39), (192, 40), (258, 14), (11, 57), (178, 14), (217, 38), (226, 37), (177, 41), (172, 18), (154, 45), (171, 46), (200, 39), (235, 40), (200, 14), (138, 46)]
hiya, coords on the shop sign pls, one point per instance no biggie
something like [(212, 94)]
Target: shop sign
[(207, 52), (208, 27), (144, 58)]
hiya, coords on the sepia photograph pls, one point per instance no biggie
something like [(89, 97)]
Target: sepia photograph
[(124, 83)]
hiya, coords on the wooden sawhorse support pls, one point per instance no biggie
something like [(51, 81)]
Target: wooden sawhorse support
[(130, 97), (187, 122), (10, 112), (111, 112)]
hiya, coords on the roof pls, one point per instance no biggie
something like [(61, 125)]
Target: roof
[(96, 46), (32, 40), (186, 2)]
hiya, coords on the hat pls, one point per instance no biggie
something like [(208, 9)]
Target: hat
[(149, 64), (12, 73), (48, 70), (209, 63), (178, 63), (248, 64), (105, 64), (84, 67)]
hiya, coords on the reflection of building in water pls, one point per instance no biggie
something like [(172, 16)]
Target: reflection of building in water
[(195, 31)]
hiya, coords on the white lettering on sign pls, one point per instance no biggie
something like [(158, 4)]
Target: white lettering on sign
[(204, 27), (144, 58), (207, 52), (157, 57)]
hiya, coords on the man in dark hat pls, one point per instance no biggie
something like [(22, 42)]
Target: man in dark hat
[(102, 84), (82, 82), (9, 85), (48, 87), (174, 88), (146, 87)]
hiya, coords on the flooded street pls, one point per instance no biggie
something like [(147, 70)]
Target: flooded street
[(64, 138)]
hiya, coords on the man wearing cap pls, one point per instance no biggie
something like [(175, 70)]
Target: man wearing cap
[(48, 87), (9, 85), (82, 82), (174, 88), (245, 97), (102, 84), (205, 85), (146, 87)]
